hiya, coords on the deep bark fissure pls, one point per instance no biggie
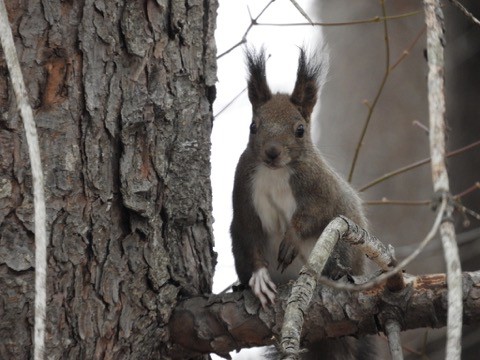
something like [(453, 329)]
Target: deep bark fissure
[(125, 124)]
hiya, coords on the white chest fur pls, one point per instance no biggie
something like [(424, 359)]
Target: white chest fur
[(273, 199)]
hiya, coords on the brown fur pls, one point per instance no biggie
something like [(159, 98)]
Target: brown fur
[(320, 194)]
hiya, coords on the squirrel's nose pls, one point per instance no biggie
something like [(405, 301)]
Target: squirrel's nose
[(273, 151)]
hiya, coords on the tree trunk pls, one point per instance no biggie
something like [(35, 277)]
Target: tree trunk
[(122, 94)]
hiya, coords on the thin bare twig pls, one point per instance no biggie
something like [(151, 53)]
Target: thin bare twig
[(463, 239), (415, 165), (409, 48), (375, 19), (229, 103), (464, 209), (471, 189), (377, 96), (19, 88), (253, 21), (464, 10), (436, 104), (301, 11), (385, 201)]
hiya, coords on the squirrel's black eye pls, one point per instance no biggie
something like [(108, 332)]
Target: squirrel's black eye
[(253, 128), (299, 131)]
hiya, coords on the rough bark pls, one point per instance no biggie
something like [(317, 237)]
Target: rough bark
[(223, 323), (122, 94)]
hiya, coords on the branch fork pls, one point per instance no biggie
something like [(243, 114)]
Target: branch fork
[(339, 229)]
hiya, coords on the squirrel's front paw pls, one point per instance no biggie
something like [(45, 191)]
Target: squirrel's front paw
[(263, 287), (287, 252)]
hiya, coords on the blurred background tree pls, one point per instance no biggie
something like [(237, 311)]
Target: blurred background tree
[(357, 66)]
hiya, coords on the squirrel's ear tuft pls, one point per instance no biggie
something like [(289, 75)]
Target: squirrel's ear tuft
[(258, 90), (304, 95)]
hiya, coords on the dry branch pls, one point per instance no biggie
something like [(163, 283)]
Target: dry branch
[(464, 10), (340, 228), (37, 175), (223, 323), (436, 102), (372, 20)]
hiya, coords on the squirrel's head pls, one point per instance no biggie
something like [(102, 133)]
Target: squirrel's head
[(280, 128)]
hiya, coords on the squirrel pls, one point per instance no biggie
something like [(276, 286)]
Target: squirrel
[(285, 194)]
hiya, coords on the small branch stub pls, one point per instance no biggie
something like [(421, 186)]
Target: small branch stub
[(392, 330)]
